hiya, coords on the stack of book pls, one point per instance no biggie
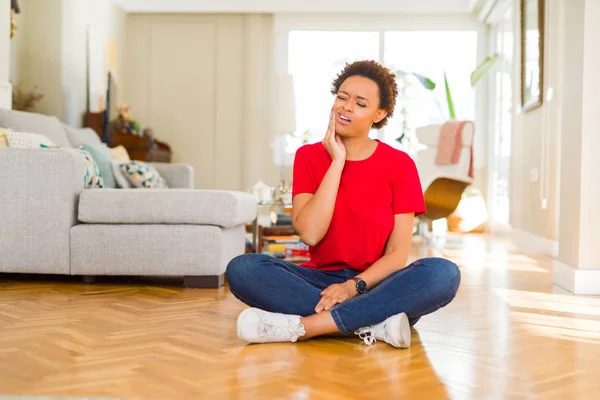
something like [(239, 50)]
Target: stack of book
[(288, 247)]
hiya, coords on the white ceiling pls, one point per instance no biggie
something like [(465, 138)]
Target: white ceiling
[(301, 6)]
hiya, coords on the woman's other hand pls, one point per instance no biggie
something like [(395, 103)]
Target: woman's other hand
[(333, 142), (334, 294)]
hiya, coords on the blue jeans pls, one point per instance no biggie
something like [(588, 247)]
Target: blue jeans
[(279, 286)]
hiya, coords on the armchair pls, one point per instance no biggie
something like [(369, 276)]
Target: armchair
[(443, 185)]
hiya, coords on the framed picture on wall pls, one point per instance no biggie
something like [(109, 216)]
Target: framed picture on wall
[(532, 54)]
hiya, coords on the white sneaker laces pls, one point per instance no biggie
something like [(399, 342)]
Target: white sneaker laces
[(370, 333)]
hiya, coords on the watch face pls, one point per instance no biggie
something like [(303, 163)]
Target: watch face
[(361, 286)]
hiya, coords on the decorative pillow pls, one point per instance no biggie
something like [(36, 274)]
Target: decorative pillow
[(24, 140), (3, 138), (91, 176), (120, 153), (143, 175), (102, 157), (81, 136), (122, 182)]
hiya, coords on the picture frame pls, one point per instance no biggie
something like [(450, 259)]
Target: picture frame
[(532, 54)]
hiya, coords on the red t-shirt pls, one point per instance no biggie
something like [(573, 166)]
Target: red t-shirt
[(371, 191)]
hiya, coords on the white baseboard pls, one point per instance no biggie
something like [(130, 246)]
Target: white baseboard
[(529, 240), (575, 280), (5, 95)]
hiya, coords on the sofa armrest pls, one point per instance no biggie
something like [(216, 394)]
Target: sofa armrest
[(39, 190), (178, 176)]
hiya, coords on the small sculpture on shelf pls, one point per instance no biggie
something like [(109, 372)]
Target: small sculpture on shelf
[(283, 193), (124, 123), (141, 144)]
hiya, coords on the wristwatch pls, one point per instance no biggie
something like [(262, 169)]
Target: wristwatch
[(361, 286)]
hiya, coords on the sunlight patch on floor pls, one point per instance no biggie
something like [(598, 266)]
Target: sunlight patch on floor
[(550, 302), (564, 333), (556, 321)]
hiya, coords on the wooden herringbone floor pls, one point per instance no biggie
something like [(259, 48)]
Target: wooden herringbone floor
[(508, 334)]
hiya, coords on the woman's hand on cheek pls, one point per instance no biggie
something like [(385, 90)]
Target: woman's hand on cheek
[(333, 142)]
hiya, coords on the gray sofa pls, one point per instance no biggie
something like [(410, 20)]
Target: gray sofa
[(50, 224)]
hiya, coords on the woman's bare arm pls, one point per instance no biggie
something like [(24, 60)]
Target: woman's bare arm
[(396, 251), (311, 214)]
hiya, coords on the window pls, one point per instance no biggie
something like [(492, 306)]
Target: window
[(315, 57), (431, 54)]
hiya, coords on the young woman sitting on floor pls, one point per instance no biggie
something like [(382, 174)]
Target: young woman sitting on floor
[(354, 201)]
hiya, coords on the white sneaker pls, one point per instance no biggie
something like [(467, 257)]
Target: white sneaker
[(395, 331), (258, 326)]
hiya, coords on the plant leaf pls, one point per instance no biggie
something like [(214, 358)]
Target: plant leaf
[(425, 81), (483, 68), (449, 98)]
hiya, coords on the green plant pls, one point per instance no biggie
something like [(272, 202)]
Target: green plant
[(425, 81), (483, 68), (480, 71), (451, 112)]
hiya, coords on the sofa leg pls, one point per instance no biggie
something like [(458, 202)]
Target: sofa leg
[(213, 281), (88, 279)]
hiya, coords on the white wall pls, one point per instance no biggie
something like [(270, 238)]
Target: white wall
[(208, 103), (577, 267), (570, 112), (5, 97), (78, 16), (590, 142), (535, 141), (50, 50), (258, 76), (37, 52)]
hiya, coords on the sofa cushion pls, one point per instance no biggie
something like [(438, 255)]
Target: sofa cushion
[(162, 250), (81, 136), (101, 155), (167, 206), (21, 121)]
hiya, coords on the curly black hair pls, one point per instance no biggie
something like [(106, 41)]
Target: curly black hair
[(382, 76)]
